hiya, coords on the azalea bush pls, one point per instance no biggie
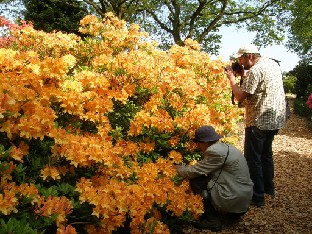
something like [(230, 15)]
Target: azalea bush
[(309, 101), (91, 128), (309, 104)]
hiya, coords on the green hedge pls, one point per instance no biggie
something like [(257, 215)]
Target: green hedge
[(289, 84)]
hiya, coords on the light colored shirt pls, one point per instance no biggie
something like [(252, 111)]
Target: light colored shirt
[(265, 105), (233, 189)]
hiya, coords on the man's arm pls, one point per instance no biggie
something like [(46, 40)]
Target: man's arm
[(204, 167)]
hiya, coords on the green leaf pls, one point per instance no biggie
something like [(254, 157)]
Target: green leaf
[(15, 226)]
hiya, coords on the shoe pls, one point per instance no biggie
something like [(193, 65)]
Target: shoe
[(212, 224), (229, 220), (257, 204)]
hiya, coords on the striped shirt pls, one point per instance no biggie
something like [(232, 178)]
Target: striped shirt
[(265, 105)]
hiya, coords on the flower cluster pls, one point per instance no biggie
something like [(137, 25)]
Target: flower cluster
[(100, 121)]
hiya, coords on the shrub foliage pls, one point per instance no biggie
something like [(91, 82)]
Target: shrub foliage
[(289, 84), (90, 128), (303, 74)]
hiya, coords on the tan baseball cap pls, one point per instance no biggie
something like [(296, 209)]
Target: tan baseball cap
[(247, 49)]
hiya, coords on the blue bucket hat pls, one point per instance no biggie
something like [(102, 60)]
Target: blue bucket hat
[(206, 134)]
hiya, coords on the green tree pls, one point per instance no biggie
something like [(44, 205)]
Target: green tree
[(123, 9), (202, 19), (174, 21), (49, 15), (300, 29)]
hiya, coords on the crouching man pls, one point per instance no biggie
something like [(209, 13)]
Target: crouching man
[(221, 178)]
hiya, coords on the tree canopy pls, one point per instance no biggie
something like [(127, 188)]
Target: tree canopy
[(300, 35), (174, 21), (49, 15), (201, 20)]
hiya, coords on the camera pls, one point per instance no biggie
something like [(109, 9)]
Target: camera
[(237, 68)]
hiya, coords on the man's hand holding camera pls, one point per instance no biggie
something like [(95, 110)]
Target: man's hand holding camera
[(233, 70)]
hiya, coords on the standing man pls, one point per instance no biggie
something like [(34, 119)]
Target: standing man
[(263, 96), (221, 178)]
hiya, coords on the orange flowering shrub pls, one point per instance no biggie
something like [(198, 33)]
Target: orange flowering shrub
[(91, 127)]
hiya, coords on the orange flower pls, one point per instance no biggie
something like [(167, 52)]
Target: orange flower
[(50, 172), (8, 202), (175, 156), (20, 152), (29, 190), (147, 147), (173, 141), (54, 205), (69, 229), (157, 226), (51, 77)]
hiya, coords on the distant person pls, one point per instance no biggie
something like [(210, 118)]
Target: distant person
[(263, 96), (221, 178)]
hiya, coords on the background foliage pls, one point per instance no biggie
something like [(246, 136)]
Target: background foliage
[(302, 88), (175, 21), (300, 22), (289, 83), (172, 22), (49, 15)]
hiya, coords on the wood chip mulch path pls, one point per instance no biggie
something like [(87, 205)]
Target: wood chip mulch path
[(290, 211)]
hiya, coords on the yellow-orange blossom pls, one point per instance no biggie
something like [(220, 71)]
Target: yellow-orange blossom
[(42, 69)]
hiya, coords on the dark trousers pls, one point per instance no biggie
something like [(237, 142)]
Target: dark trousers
[(259, 156)]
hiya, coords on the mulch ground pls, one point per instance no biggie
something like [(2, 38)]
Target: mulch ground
[(290, 211)]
